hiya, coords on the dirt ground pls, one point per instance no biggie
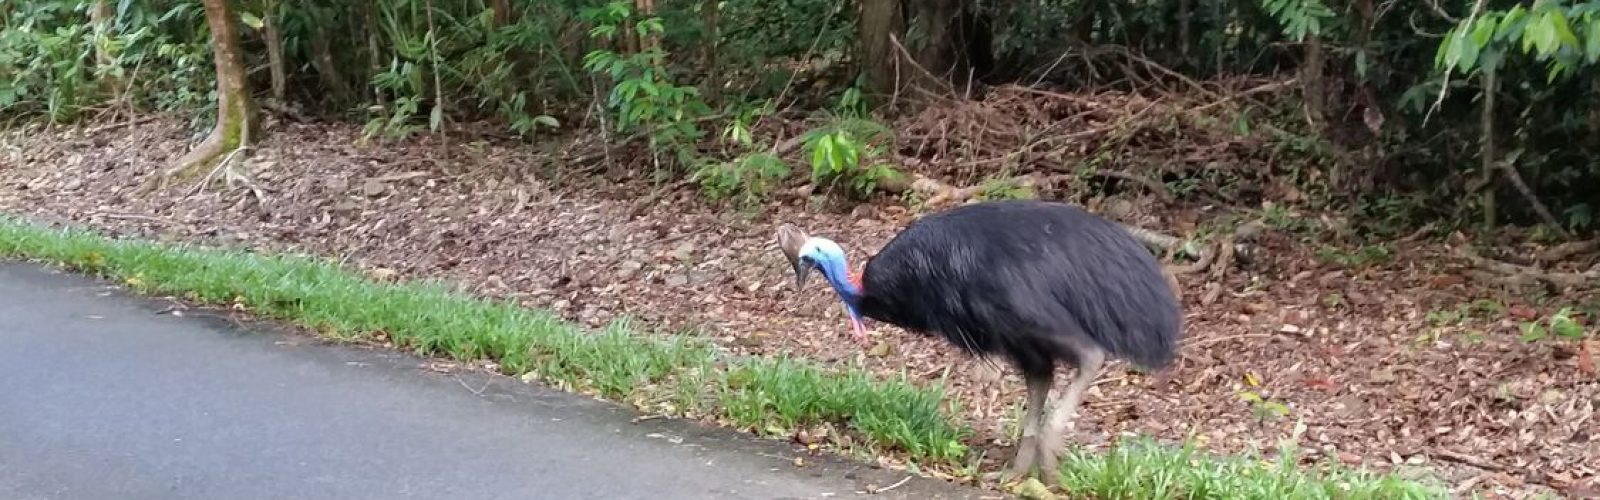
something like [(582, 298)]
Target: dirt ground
[(1365, 357)]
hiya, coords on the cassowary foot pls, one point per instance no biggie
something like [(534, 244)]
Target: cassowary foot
[(1022, 465), (1027, 457), (1050, 450)]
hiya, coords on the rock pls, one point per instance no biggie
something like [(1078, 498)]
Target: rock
[(684, 251), (677, 280), (373, 188), (628, 269)]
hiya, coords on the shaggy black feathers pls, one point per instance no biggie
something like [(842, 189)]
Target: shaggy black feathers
[(1026, 280)]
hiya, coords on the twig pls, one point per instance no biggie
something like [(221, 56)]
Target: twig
[(1214, 340), (475, 392), (118, 125), (213, 174), (1466, 459), (929, 74), (1515, 178), (1444, 87), (893, 486)]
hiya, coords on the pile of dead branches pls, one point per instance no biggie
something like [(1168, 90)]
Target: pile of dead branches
[(1132, 136)]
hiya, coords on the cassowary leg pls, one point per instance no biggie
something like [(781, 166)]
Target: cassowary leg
[(1032, 424), (1051, 439)]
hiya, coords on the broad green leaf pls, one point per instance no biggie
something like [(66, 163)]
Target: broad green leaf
[(547, 121), (1511, 24), (1469, 54), (1483, 32), (1591, 48), (251, 20), (436, 118), (1562, 28)]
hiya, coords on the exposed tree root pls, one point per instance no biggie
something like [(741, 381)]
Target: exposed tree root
[(1519, 274), (1567, 250)]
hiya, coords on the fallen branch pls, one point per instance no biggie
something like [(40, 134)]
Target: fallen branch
[(1520, 274), (1566, 250), (122, 124)]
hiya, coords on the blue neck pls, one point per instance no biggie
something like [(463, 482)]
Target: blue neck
[(839, 277)]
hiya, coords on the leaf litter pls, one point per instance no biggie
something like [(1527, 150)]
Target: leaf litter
[(1358, 357)]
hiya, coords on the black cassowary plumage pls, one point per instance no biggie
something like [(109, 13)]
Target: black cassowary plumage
[(1037, 283), (1020, 279)]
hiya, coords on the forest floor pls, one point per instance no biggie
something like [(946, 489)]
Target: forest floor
[(1407, 357)]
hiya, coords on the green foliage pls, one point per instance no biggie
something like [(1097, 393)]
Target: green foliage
[(1300, 18), (1562, 324), (1562, 36), (750, 177), (644, 96), (847, 151), (48, 65), (1139, 468)]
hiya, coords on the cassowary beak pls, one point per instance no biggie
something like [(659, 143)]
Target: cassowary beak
[(802, 270)]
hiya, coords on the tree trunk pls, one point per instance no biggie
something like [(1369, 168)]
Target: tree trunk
[(100, 17), (275, 63), (1311, 84), (647, 9), (878, 21), (374, 59), (502, 12), (1486, 151), (327, 69), (1184, 11), (237, 117), (711, 15)]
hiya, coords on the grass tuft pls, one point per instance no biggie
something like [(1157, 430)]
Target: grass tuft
[(672, 374)]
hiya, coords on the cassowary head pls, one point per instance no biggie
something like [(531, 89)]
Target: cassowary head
[(805, 252)]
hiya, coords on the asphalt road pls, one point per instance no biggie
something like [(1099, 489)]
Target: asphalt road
[(104, 396)]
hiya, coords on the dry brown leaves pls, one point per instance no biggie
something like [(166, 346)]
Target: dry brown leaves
[(1353, 354)]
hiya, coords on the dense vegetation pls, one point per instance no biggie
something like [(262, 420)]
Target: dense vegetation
[(1370, 113)]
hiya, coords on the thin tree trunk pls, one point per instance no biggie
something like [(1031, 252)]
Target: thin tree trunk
[(1486, 150), (711, 15), (374, 66), (1312, 87), (502, 12), (327, 68), (1184, 11), (100, 17), (275, 63), (237, 117)]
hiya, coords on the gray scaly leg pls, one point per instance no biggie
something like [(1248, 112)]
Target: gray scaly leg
[(1051, 441), (1032, 424)]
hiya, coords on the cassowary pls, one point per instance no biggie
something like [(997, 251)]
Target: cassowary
[(1032, 282)]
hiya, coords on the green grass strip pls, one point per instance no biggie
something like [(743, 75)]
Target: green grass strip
[(673, 374)]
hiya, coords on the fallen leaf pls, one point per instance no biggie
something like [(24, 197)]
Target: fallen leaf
[(1586, 357), (1323, 383), (1252, 379), (1522, 312)]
